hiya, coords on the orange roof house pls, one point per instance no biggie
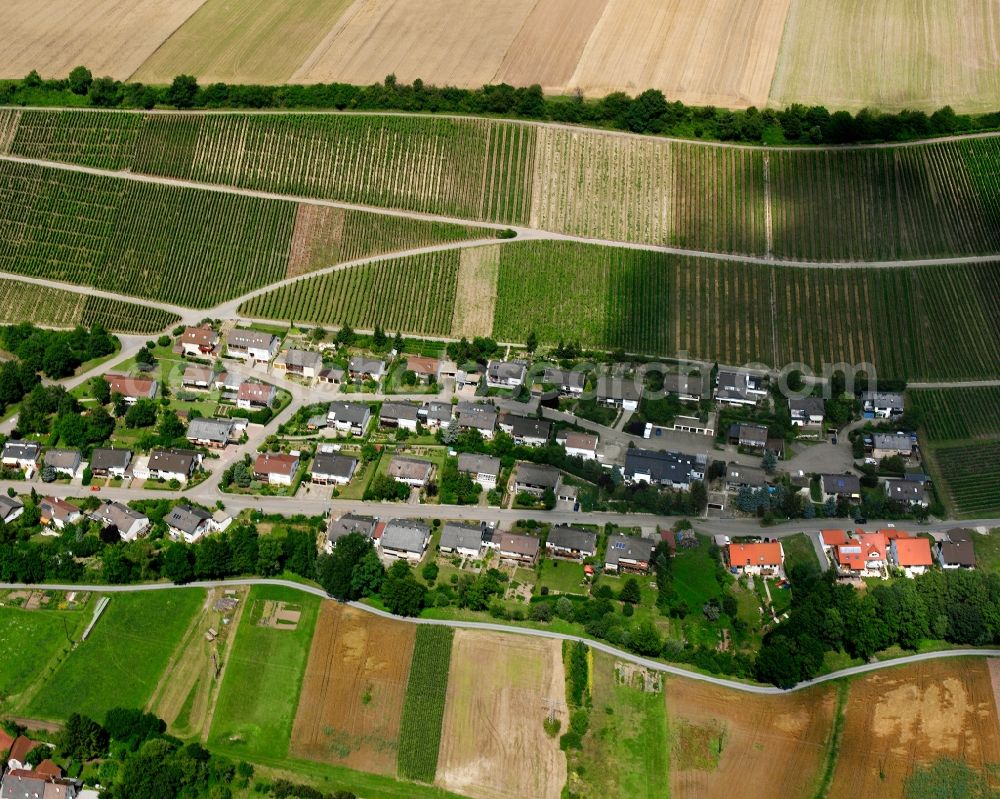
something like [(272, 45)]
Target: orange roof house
[(912, 552), (766, 555), (834, 538)]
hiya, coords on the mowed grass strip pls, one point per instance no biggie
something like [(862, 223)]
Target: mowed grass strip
[(260, 691), (121, 662), (423, 710)]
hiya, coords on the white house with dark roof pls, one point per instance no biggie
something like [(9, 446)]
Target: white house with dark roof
[(740, 387), (571, 542), (578, 445), (807, 411), (304, 363), (625, 553), (361, 368), (526, 431), (21, 455), (909, 492), (464, 539), (129, 523), (674, 469), (569, 382), (251, 345), (619, 391), (412, 471), (400, 415), (330, 468), (881, 404), (215, 433), (405, 539), (188, 524), (435, 415), (889, 445), (110, 461), (841, 485), (479, 417), (483, 469), (65, 461), (10, 508), (506, 374), (349, 417), (687, 388), (168, 464), (535, 479), (346, 525)]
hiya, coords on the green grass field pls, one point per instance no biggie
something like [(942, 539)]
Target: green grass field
[(563, 576), (987, 549), (423, 709), (121, 662), (260, 690), (799, 551)]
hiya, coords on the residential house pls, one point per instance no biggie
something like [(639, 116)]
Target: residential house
[(199, 378), (447, 370), (214, 433), (464, 539), (228, 383), (435, 415), (170, 464), (349, 417), (132, 389), (65, 461), (569, 382), (483, 469), (405, 539), (692, 424), (427, 370), (415, 473), (506, 374), (198, 341), (346, 525), (625, 553), (571, 543), (332, 375), (399, 414), (807, 411), (578, 445), (512, 546), (10, 508), (24, 783), (841, 485), (361, 368), (765, 558), (255, 396), (688, 388), (21, 455), (740, 387), (478, 417), (526, 431), (956, 553), (864, 555), (619, 391), (276, 468), (889, 445), (831, 539), (58, 513), (674, 469), (251, 345), (188, 524), (881, 404), (330, 468), (129, 523), (751, 436), (740, 476), (912, 555), (110, 462), (910, 492), (535, 479), (304, 363)]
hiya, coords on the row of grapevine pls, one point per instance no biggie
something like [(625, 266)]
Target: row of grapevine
[(103, 140), (10, 118), (414, 295), (423, 709), (125, 317), (183, 246), (971, 476), (954, 414)]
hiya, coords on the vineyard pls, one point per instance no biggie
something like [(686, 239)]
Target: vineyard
[(423, 710), (954, 414), (414, 295), (971, 476)]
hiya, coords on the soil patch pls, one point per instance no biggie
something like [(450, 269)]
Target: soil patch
[(476, 291), (316, 239)]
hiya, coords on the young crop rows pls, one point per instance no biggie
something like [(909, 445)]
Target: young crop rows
[(953, 414), (423, 711), (184, 246), (971, 475), (414, 295), (106, 141)]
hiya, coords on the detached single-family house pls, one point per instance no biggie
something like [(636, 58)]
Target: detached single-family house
[(349, 417), (568, 382), (479, 417), (765, 558), (346, 525), (751, 436), (360, 368), (435, 415), (132, 389), (228, 383), (808, 411), (625, 553), (674, 469), (198, 378), (881, 404), (464, 539), (37, 783), (512, 546), (619, 391), (571, 543), (110, 462), (329, 468), (276, 469), (405, 539), (304, 363), (64, 461), (535, 479), (129, 523), (188, 524), (526, 431), (912, 555), (578, 445), (399, 414), (10, 508), (483, 469), (841, 485), (740, 476), (687, 388), (863, 556), (255, 396), (909, 492), (889, 445), (215, 433), (251, 345), (170, 464), (21, 455), (956, 554), (427, 370), (740, 387), (831, 539), (415, 473), (198, 341), (506, 374), (58, 513)]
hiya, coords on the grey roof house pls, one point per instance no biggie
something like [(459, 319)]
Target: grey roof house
[(329, 467), (211, 432), (535, 479), (64, 461), (346, 525), (405, 538), (464, 539), (412, 471), (625, 553), (483, 469), (349, 416), (110, 461), (674, 469), (188, 523), (571, 542)]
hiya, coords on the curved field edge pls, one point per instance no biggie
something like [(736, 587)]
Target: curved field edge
[(922, 200)]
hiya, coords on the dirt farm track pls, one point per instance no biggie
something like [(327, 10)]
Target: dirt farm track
[(730, 53)]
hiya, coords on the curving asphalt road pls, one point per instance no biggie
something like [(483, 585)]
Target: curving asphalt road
[(653, 665)]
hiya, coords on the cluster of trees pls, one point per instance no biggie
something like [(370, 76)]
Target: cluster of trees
[(56, 353), (649, 112), (353, 571), (961, 607)]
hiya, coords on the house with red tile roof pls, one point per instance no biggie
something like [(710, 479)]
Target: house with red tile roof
[(912, 555), (276, 468), (766, 557), (862, 556)]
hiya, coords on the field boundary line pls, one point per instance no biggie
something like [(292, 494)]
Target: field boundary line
[(600, 646)]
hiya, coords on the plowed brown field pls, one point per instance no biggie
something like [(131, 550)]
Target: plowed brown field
[(913, 715), (353, 690)]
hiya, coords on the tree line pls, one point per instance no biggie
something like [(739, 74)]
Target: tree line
[(648, 112)]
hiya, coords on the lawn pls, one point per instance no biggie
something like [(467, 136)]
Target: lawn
[(260, 690), (121, 662), (694, 575), (799, 551), (562, 576), (988, 550)]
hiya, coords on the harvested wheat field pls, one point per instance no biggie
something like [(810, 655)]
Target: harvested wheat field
[(353, 690), (476, 291), (713, 52), (891, 54), (493, 745), (112, 37), (916, 714), (771, 745)]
